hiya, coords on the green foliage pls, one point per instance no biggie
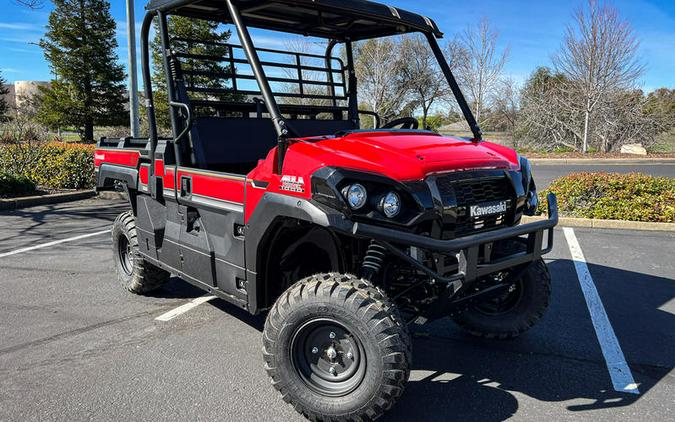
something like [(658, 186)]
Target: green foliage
[(53, 165), (660, 104), (12, 185), (80, 46), (665, 143), (207, 33), (4, 107), (434, 122), (54, 105), (614, 196)]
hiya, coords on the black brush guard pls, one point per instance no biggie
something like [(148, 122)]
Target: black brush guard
[(467, 248)]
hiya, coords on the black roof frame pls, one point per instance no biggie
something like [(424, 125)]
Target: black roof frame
[(333, 19)]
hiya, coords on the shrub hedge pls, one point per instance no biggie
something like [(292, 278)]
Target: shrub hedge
[(11, 185), (52, 165), (614, 196)]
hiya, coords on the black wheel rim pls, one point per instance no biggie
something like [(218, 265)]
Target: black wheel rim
[(328, 358), (504, 302), (125, 255)]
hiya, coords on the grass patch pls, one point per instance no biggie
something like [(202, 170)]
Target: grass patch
[(614, 196)]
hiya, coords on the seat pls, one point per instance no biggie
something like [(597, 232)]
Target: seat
[(225, 144), (231, 144)]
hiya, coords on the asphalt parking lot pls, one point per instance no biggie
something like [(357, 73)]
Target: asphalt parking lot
[(75, 346)]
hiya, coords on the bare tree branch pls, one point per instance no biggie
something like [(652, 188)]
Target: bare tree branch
[(33, 4), (599, 56), (480, 64), (418, 70)]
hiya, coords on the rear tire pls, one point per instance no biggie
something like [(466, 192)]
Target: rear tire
[(515, 312), (336, 349), (136, 274)]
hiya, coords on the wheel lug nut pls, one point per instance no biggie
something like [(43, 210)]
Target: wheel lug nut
[(332, 370), (350, 355), (315, 350), (331, 335)]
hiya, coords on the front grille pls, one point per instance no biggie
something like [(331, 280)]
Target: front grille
[(474, 191), (479, 191), (459, 193), (466, 225)]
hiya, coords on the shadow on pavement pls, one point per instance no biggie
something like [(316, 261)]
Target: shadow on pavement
[(33, 219), (458, 377), (177, 288)]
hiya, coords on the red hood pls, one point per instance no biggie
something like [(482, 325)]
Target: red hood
[(401, 156)]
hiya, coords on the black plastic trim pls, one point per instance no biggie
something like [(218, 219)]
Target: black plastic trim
[(107, 174), (455, 245), (271, 208)]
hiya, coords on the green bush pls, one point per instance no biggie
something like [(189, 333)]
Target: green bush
[(53, 165), (614, 196), (11, 185)]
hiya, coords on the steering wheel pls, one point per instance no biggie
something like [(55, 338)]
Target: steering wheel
[(404, 122)]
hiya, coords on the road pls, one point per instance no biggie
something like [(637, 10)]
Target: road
[(75, 346), (546, 172)]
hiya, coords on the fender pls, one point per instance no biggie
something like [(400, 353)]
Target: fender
[(273, 206), (107, 174)]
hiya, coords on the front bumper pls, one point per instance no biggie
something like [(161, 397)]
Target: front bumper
[(467, 249)]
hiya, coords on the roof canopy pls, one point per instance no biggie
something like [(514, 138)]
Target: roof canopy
[(335, 19)]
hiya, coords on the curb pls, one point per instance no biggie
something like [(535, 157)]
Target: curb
[(604, 161), (31, 201), (607, 224)]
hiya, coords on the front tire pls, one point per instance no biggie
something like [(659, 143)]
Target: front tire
[(517, 310), (336, 348), (136, 274)]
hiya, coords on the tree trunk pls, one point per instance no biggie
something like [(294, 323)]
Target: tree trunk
[(89, 130), (586, 121), (374, 117)]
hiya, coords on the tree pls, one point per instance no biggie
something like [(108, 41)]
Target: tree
[(375, 62), (660, 105), (479, 64), (505, 105), (54, 103), (80, 47), (4, 90), (547, 112), (624, 122), (419, 72), (206, 39), (599, 58)]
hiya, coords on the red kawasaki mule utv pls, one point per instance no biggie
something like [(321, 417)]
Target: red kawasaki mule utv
[(270, 196)]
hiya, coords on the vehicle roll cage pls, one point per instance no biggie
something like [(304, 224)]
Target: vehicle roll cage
[(346, 25)]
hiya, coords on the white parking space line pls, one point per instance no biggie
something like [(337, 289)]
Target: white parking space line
[(622, 378), (184, 308), (54, 243)]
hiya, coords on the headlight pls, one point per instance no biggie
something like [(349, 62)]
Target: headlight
[(355, 195), (391, 204)]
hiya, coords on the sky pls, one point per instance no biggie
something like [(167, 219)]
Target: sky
[(532, 30)]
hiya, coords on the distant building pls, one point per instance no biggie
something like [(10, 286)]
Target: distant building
[(10, 97), (24, 91)]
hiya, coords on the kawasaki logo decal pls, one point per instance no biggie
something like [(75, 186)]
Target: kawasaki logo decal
[(487, 209)]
